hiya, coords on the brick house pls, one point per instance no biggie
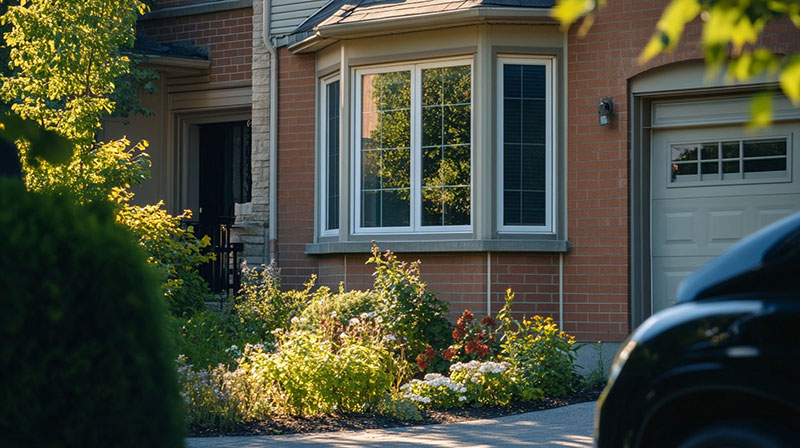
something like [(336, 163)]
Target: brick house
[(466, 134)]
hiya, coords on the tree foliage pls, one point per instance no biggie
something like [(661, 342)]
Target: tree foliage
[(66, 56), (68, 69), (730, 39)]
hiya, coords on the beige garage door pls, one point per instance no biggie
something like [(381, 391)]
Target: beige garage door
[(713, 183)]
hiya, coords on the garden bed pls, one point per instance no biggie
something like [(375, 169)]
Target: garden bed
[(344, 422)]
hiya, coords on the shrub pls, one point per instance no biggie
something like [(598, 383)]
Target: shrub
[(543, 355), (83, 341), (205, 339), (171, 248), (341, 306), (315, 376), (408, 310), (262, 307)]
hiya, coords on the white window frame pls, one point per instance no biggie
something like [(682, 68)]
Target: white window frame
[(551, 175), (323, 155), (415, 218)]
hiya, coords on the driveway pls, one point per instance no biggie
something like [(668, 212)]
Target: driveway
[(569, 426)]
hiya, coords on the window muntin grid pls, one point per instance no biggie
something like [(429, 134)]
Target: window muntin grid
[(727, 161)]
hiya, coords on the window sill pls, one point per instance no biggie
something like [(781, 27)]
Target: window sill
[(503, 245)]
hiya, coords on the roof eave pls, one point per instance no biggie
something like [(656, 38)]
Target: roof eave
[(327, 34), (175, 64)]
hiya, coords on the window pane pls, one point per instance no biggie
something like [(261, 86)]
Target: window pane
[(446, 137), (512, 81), (533, 167), (755, 166), (456, 127), (512, 120), (710, 151), (709, 168), (533, 208), (456, 206), (512, 167), (730, 150), (385, 149), (684, 152), (765, 148), (456, 84), (332, 142), (682, 169), (730, 167), (524, 152), (395, 208), (512, 207), (431, 126)]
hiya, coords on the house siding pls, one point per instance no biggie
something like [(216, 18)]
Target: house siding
[(288, 14)]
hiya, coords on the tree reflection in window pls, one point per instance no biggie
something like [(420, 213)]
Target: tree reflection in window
[(442, 145), (446, 139), (386, 149)]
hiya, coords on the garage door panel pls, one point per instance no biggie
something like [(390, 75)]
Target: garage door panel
[(668, 273), (701, 204), (702, 227)]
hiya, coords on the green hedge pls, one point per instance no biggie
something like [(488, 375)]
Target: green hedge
[(82, 338)]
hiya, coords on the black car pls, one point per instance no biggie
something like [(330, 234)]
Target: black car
[(722, 367)]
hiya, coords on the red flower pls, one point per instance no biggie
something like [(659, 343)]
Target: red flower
[(458, 332), (430, 353), (489, 321), (448, 354), (422, 361), (476, 347), (466, 317), (480, 337)]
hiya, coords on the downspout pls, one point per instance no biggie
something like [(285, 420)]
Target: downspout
[(273, 132), (561, 291)]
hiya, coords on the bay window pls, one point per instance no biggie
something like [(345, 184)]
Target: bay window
[(432, 158)]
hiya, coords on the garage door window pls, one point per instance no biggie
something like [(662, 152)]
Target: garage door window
[(736, 161)]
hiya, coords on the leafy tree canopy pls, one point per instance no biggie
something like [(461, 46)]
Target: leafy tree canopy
[(731, 31)]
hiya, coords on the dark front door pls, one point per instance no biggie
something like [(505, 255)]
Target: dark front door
[(224, 181)]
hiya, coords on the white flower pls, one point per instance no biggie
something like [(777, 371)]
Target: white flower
[(390, 338), (303, 320), (295, 320), (462, 398), (343, 335), (354, 321), (333, 314), (378, 320), (363, 316)]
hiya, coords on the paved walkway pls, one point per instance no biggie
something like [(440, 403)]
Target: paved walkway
[(569, 426)]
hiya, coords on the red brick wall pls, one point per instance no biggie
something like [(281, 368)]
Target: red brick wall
[(295, 166), (596, 271), (227, 34)]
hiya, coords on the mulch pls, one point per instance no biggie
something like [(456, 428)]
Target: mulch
[(345, 422)]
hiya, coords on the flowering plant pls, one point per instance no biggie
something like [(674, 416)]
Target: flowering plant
[(487, 383), (435, 391), (473, 339), (543, 355)]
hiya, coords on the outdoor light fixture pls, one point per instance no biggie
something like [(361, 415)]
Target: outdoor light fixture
[(605, 111)]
